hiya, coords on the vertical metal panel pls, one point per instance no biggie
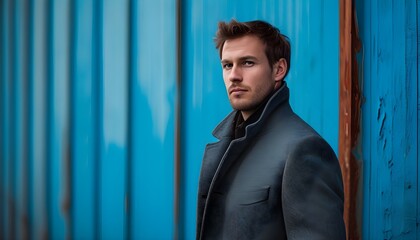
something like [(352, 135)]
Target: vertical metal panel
[(418, 111), (132, 76), (24, 220), (98, 111), (13, 118), (313, 29), (29, 124), (389, 72), (407, 115), (39, 167), (84, 169), (153, 117), (97, 89), (203, 100), (59, 119), (5, 150), (13, 125), (350, 101), (19, 99), (48, 121), (114, 142), (2, 120), (313, 79)]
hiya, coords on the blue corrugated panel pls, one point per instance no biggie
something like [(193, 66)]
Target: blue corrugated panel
[(313, 30), (31, 110), (14, 132), (153, 87), (39, 124), (19, 94), (58, 118), (89, 108), (84, 171), (114, 114), (418, 114), (388, 70), (5, 190), (2, 118)]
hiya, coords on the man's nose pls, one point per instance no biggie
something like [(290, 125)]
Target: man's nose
[(235, 74)]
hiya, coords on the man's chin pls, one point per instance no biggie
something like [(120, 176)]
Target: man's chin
[(242, 107)]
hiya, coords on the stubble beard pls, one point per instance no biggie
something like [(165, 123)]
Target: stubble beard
[(251, 100), (246, 105)]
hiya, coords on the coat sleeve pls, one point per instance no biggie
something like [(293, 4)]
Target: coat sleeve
[(312, 192)]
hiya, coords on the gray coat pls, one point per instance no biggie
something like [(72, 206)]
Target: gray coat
[(280, 181)]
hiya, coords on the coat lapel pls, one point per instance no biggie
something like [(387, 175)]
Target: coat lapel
[(238, 146), (219, 157), (211, 160)]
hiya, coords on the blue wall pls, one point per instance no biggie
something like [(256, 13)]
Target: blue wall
[(106, 106), (388, 71)]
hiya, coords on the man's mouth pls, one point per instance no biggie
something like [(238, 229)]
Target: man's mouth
[(236, 90)]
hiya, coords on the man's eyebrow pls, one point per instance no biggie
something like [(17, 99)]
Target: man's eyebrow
[(248, 57)]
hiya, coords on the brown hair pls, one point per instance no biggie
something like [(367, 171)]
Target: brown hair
[(277, 45)]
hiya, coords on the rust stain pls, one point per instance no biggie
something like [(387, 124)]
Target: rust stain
[(66, 200), (350, 102), (177, 205), (25, 223)]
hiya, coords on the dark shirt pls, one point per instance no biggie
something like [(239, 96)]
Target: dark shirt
[(240, 124)]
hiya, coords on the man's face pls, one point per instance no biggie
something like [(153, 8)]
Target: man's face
[(247, 74)]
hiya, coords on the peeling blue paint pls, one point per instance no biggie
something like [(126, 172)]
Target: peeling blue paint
[(390, 123)]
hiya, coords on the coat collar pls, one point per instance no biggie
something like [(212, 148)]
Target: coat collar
[(224, 129)]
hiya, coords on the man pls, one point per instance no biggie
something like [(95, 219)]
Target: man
[(270, 175)]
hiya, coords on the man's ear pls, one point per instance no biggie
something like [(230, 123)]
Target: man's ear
[(279, 69)]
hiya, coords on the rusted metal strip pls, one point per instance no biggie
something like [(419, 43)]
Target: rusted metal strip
[(349, 113), (178, 233)]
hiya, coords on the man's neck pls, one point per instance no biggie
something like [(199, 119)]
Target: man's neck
[(247, 114)]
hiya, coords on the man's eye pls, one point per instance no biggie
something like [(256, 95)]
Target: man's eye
[(227, 66), (248, 63)]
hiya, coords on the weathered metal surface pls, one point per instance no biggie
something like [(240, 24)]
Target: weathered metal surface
[(114, 118), (84, 169), (389, 151), (39, 127), (349, 114), (58, 117), (418, 113), (155, 93), (5, 119), (106, 107), (20, 119)]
